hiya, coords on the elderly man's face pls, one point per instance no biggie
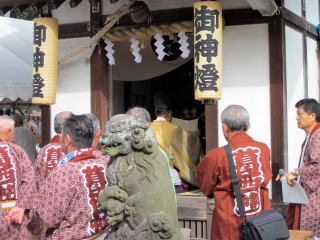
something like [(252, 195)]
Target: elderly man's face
[(10, 134), (63, 143), (7, 134)]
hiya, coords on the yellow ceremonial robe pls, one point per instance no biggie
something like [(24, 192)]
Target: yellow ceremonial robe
[(183, 148)]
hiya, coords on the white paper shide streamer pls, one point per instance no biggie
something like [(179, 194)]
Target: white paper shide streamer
[(110, 52), (159, 45), (183, 40), (135, 50)]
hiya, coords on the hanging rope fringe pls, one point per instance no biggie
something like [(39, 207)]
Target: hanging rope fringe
[(110, 22), (140, 33), (146, 32)]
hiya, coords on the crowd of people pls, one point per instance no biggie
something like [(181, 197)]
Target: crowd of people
[(55, 194)]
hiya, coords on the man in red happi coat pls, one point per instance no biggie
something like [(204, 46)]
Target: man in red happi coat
[(66, 206), (17, 180), (50, 154), (252, 161), (307, 217)]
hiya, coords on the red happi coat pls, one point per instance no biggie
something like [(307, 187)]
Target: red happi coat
[(4, 235), (47, 159), (17, 183), (252, 161), (98, 154), (307, 217), (66, 206)]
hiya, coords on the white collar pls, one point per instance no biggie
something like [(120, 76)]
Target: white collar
[(161, 119)]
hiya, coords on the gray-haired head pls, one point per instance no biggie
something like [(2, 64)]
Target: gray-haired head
[(95, 121), (140, 112), (59, 119), (6, 128), (6, 122), (236, 117)]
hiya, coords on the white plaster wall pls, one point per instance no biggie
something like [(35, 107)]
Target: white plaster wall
[(73, 86), (313, 68), (66, 14), (295, 90), (294, 6), (312, 11), (246, 77)]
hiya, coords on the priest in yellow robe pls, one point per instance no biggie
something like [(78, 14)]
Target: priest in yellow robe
[(182, 147)]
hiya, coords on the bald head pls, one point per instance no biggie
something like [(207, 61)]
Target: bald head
[(6, 128), (59, 120), (140, 112)]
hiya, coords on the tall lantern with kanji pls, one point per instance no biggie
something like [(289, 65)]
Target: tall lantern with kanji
[(45, 60), (207, 50)]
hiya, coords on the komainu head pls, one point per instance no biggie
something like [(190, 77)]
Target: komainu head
[(124, 134)]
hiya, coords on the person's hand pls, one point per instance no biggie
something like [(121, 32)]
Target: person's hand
[(15, 215), (278, 178), (290, 178)]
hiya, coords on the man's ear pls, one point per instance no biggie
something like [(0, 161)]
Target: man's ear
[(98, 134), (249, 125), (169, 116), (67, 140), (225, 127)]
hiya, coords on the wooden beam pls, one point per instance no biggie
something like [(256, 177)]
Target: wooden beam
[(232, 17), (277, 101), (244, 16), (299, 22), (11, 3), (74, 30), (211, 126)]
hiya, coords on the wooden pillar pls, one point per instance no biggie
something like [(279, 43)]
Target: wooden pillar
[(211, 125), (277, 101), (45, 124), (99, 85), (98, 69)]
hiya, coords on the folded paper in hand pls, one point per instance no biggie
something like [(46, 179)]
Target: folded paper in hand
[(293, 194)]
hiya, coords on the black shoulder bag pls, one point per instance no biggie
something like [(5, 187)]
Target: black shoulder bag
[(268, 225)]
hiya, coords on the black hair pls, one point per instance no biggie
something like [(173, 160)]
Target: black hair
[(80, 130), (310, 106)]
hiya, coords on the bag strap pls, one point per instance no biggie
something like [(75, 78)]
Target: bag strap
[(235, 183)]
